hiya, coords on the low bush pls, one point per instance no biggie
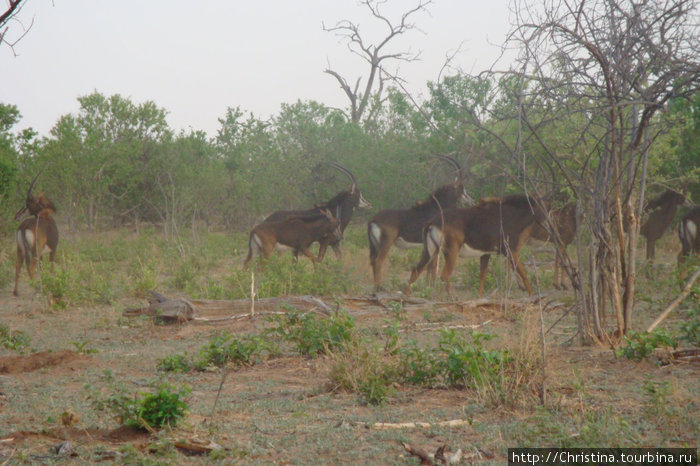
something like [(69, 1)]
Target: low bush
[(313, 334), (221, 350), (151, 411), (640, 345), (13, 340)]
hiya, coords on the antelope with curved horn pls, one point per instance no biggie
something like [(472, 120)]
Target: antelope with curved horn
[(500, 225), (405, 227), (36, 234), (689, 234), (563, 221), (661, 211), (342, 206), (295, 232)]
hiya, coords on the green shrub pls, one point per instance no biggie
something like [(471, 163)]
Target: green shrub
[(456, 362), (175, 363), (55, 283), (313, 334), (640, 345), (164, 408), (468, 363), (226, 349), (690, 328), (152, 410), (363, 366), (149, 411), (15, 341), (420, 366)]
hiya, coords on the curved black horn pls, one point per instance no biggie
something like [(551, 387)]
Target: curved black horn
[(346, 171), (31, 186), (450, 160)]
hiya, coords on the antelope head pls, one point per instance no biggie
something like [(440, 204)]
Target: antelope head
[(33, 204), (458, 182), (354, 189)]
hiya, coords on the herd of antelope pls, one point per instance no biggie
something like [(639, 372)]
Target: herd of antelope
[(494, 225)]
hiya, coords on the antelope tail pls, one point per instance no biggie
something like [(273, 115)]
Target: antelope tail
[(687, 230), (433, 241), (374, 234)]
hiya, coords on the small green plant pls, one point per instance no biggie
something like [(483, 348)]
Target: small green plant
[(362, 366), (15, 341), (396, 310), (226, 349), (313, 334), (150, 411), (81, 347), (420, 366), (375, 389), (468, 363), (690, 328), (56, 283), (640, 345), (175, 363)]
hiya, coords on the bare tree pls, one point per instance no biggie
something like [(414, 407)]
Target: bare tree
[(11, 10), (595, 73), (374, 54)]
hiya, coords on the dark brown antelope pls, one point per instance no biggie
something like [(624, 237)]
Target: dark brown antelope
[(563, 220), (493, 226), (36, 234), (297, 233), (661, 211), (405, 227), (689, 234), (342, 205)]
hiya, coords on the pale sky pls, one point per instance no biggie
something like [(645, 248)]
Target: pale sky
[(196, 58)]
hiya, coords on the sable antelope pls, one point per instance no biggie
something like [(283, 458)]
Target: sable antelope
[(405, 227), (662, 211), (689, 234), (564, 221), (494, 225), (342, 205), (36, 234), (295, 232)]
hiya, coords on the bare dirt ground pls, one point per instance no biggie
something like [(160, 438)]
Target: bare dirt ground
[(283, 410)]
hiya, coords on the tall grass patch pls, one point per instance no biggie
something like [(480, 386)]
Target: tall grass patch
[(282, 276)]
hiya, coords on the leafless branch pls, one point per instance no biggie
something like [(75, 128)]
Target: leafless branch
[(373, 54)]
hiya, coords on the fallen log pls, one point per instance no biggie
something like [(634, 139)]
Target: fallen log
[(168, 310), (686, 291), (183, 310), (423, 425)]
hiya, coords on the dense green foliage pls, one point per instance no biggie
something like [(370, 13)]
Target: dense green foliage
[(117, 162)]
